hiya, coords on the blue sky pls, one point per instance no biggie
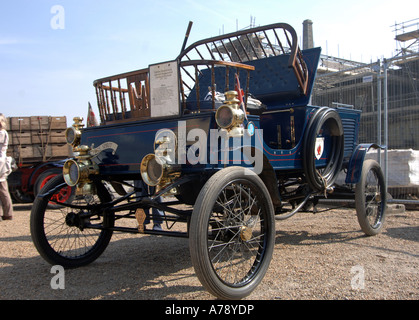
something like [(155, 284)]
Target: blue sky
[(49, 71)]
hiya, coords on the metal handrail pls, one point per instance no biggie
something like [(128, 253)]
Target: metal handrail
[(246, 45)]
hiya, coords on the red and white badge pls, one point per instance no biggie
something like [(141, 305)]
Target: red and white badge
[(319, 148)]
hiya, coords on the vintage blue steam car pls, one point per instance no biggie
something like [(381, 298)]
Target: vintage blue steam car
[(222, 139)]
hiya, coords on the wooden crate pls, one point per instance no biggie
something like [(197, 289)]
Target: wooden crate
[(45, 123), (16, 138), (20, 152), (49, 137), (60, 150), (39, 123), (58, 137), (40, 137), (58, 123), (37, 138), (20, 124), (36, 152)]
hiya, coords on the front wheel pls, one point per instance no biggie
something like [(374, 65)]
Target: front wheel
[(232, 233), (371, 198), (65, 236)]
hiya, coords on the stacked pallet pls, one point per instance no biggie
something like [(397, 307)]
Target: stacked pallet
[(37, 138), (403, 166)]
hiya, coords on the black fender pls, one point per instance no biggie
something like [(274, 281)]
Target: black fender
[(357, 159), (263, 168)]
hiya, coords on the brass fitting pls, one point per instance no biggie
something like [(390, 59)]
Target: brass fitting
[(73, 134), (230, 116), (77, 172)]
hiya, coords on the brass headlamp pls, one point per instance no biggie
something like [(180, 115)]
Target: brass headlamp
[(159, 168), (73, 134), (156, 171), (77, 172), (230, 116)]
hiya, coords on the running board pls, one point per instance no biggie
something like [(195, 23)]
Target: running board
[(151, 232)]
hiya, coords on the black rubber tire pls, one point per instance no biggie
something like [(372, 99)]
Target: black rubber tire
[(52, 235), (321, 118), (371, 198), (220, 225)]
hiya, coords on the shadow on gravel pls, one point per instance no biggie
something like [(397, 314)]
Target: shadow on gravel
[(304, 238), (22, 207), (142, 268), (406, 233)]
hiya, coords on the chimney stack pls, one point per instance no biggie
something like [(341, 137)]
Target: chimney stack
[(308, 34)]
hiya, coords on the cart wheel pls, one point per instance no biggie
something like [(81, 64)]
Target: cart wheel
[(232, 233), (371, 198), (65, 194), (61, 235), (44, 177)]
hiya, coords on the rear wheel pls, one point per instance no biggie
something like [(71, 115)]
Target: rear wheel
[(371, 198), (232, 233), (65, 236)]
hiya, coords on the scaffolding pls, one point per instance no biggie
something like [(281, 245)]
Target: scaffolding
[(387, 92), (407, 36)]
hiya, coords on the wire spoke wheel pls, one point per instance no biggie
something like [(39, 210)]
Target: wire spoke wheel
[(370, 198), (67, 236), (232, 233), (236, 234)]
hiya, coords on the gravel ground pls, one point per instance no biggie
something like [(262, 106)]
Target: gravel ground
[(321, 256)]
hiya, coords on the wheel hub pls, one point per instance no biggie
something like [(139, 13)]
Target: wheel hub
[(72, 219), (245, 233)]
